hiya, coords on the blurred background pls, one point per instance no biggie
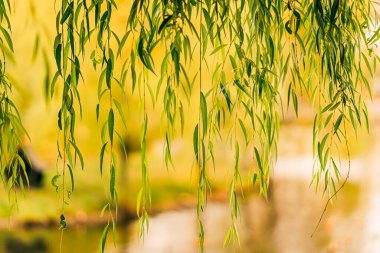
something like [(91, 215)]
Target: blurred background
[(284, 223)]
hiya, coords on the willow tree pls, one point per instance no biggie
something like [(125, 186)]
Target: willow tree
[(260, 56)]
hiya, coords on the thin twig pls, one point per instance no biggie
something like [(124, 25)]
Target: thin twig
[(342, 185)]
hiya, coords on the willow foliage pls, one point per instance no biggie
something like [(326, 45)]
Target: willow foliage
[(260, 56), (11, 128)]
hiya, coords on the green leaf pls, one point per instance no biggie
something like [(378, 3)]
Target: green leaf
[(138, 202), (298, 21), (336, 170), (97, 112), (7, 37), (218, 48), (242, 88), (195, 142), (176, 59), (366, 119), (287, 27), (145, 57), (324, 140), (271, 50), (60, 119), (77, 152), (244, 131), (204, 113), (334, 10), (295, 102), (320, 154), (321, 146), (121, 113), (164, 23), (367, 64), (104, 238), (300, 43), (67, 13), (258, 160), (102, 156), (112, 183), (337, 123), (227, 238), (109, 73), (58, 53), (111, 122), (54, 182), (254, 179), (122, 43), (326, 157), (104, 209), (71, 177)]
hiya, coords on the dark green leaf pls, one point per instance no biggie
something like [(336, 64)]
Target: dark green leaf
[(112, 183), (288, 28), (334, 10), (58, 53), (104, 238), (71, 177), (195, 142), (337, 123), (7, 37), (111, 122), (109, 73), (67, 13), (204, 113), (164, 23), (97, 112), (102, 156)]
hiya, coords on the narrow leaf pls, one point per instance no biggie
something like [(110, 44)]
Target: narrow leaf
[(111, 122)]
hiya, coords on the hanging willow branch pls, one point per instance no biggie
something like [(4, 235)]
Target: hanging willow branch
[(12, 130), (67, 45)]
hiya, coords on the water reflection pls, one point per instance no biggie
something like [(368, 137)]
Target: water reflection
[(14, 244), (46, 240), (372, 198), (282, 225)]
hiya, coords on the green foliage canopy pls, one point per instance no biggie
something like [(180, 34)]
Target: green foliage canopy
[(260, 56)]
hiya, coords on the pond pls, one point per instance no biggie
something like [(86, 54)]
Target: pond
[(284, 224)]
